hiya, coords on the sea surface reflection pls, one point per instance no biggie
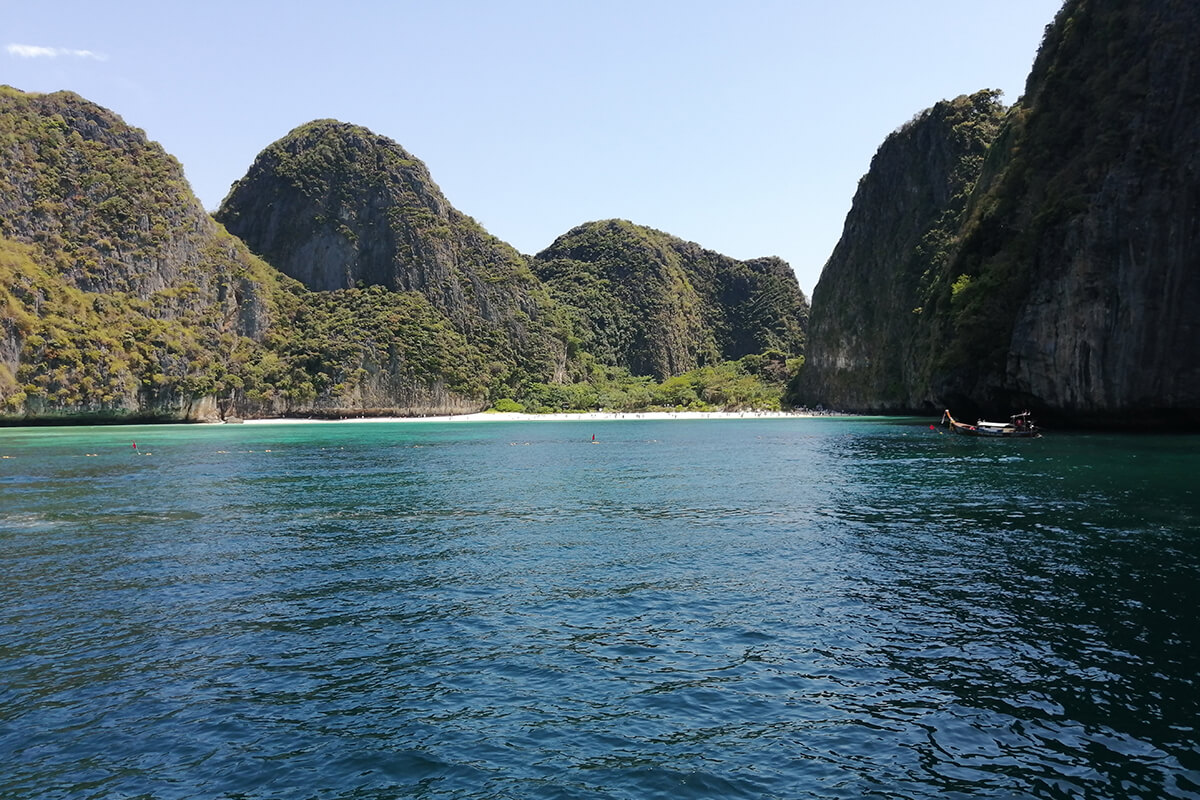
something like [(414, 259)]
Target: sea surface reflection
[(760, 608)]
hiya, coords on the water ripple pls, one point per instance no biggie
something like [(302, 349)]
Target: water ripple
[(791, 609)]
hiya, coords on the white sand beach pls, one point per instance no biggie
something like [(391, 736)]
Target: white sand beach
[(590, 416)]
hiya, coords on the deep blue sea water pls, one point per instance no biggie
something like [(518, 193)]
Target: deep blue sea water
[(807, 608)]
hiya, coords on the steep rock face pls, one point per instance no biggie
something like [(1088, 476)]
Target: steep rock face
[(111, 210), (659, 305), (337, 206), (1099, 200), (1069, 283), (354, 352), (120, 297), (10, 356), (865, 349), (333, 205), (121, 300)]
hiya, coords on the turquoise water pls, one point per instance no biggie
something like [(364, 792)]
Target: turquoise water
[(685, 609)]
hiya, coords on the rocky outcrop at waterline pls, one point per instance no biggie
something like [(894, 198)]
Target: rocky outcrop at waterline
[(1068, 281), (870, 329)]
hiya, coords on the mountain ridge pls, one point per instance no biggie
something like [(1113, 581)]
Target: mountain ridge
[(660, 305), (124, 301)]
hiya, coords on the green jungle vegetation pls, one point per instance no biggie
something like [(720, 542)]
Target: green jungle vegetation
[(99, 200), (338, 207), (98, 352), (609, 301), (1096, 158), (374, 202), (120, 298), (657, 305), (1086, 97), (1038, 256), (92, 353), (753, 382)]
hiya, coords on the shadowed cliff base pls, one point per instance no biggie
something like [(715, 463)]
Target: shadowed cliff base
[(1061, 275)]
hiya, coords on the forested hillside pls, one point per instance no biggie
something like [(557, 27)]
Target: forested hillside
[(337, 207), (118, 294), (657, 305), (121, 299)]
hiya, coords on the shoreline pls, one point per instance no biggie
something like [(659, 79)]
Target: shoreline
[(587, 416)]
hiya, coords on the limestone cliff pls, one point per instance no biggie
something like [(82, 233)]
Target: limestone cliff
[(119, 296), (1090, 223), (111, 209), (121, 299), (1069, 284), (867, 348), (659, 305), (336, 206)]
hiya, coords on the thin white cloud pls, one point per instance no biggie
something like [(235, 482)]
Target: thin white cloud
[(36, 51)]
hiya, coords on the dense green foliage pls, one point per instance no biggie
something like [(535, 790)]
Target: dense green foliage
[(331, 342), (1079, 117), (1089, 196), (657, 305), (121, 298), (148, 311), (751, 382), (336, 206), (98, 353), (340, 209), (101, 353), (101, 202)]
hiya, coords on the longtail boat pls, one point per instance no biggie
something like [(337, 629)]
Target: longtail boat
[(1019, 426)]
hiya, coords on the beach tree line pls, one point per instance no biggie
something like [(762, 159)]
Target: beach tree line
[(753, 382)]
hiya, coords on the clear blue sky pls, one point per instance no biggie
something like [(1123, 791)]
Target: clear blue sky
[(741, 125)]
